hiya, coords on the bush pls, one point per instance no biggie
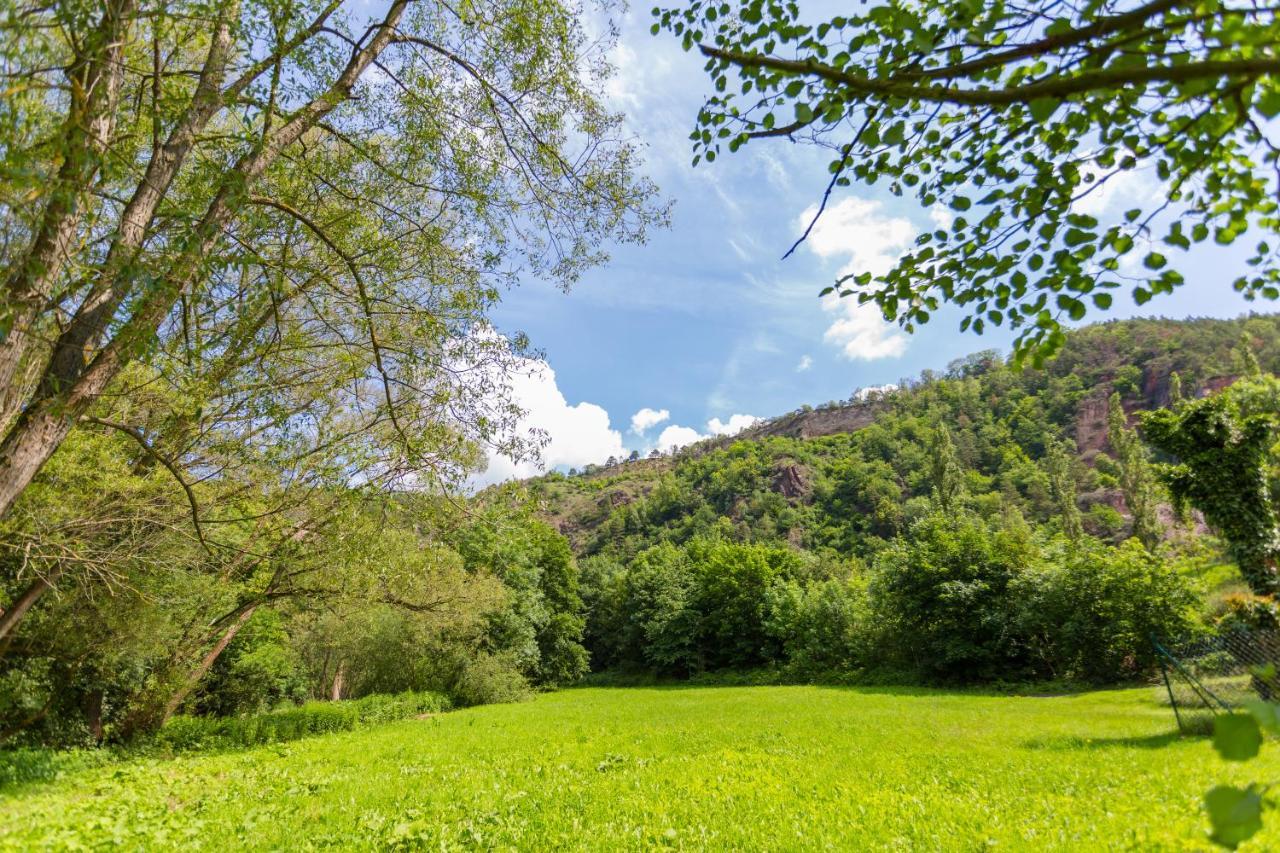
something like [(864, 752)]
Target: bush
[(313, 718), (489, 679), (1088, 611), (821, 626), (942, 597)]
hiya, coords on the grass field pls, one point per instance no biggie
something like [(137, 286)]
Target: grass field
[(757, 767)]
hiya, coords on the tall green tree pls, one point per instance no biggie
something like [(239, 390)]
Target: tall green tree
[(1137, 479), (945, 474), (1059, 463), (1010, 118)]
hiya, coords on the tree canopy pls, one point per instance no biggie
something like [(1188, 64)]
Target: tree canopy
[(1007, 118), (302, 216)]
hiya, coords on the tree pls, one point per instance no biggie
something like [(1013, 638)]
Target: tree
[(945, 474), (1059, 463), (1175, 390), (226, 159), (1222, 449), (1137, 480), (1004, 119), (941, 595), (1246, 360)]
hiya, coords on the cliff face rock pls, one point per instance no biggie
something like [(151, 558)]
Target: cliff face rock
[(818, 422), (1091, 424), (790, 481), (610, 500)]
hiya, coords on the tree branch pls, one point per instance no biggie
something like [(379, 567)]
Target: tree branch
[(1061, 87), (136, 435)]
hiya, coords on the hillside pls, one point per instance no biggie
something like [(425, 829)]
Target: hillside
[(848, 474)]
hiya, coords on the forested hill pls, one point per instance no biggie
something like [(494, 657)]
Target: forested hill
[(847, 476)]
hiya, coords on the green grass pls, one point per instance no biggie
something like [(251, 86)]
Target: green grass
[(794, 768)]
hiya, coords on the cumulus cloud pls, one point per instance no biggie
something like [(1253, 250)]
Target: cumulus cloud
[(874, 391), (862, 333), (859, 232), (646, 418), (735, 424), (941, 217), (678, 436), (1120, 191), (805, 363), (577, 434), (864, 238)]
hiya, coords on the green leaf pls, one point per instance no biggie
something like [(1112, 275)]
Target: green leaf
[(1235, 814), (1077, 236), (1268, 102), (1237, 737), (804, 113), (1266, 713), (1074, 307), (1042, 108), (1154, 261)]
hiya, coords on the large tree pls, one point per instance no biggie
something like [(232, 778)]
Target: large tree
[(1008, 117), (234, 172)]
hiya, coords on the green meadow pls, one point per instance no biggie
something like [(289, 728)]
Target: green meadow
[(780, 768)]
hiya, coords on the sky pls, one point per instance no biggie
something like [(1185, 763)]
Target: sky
[(706, 328)]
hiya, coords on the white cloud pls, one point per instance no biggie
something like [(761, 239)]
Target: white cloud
[(739, 251), (1121, 191), (577, 434), (874, 391), (678, 436), (859, 233), (805, 363), (735, 425), (862, 333), (642, 420), (941, 217)]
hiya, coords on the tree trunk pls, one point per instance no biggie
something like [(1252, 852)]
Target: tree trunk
[(10, 618), (95, 77), (197, 675), (93, 714), (339, 678), (69, 386)]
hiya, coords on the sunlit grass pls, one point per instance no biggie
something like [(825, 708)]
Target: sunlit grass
[(757, 767)]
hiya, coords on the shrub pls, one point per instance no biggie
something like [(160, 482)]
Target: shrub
[(821, 626), (1244, 611), (1088, 611), (185, 732), (942, 597), (489, 679)]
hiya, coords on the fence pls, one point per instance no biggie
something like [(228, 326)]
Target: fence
[(1219, 674)]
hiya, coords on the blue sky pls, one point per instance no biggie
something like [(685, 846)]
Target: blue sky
[(707, 322)]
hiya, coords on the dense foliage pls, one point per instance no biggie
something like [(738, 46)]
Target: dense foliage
[(400, 593), (250, 251), (986, 523), (955, 599)]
